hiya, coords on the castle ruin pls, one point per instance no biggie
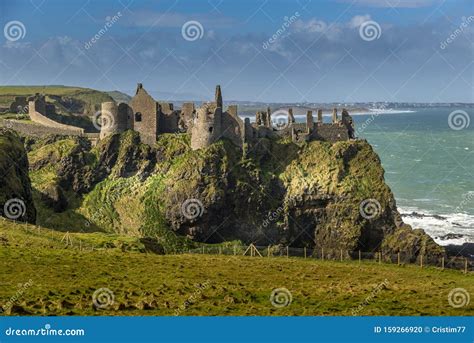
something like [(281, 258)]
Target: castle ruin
[(210, 122), (206, 124)]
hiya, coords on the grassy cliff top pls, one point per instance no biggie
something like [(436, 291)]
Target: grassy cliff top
[(54, 90), (76, 99)]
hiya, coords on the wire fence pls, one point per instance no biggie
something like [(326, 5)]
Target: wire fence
[(67, 240), (454, 262)]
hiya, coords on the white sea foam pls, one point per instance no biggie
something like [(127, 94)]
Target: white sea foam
[(382, 111), (438, 226)]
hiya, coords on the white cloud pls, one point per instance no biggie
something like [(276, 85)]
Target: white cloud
[(313, 25), (358, 20)]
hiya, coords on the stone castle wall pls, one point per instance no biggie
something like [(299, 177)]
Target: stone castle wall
[(207, 126), (38, 130), (109, 119), (330, 132), (19, 105), (37, 113), (168, 122), (232, 128), (145, 115)]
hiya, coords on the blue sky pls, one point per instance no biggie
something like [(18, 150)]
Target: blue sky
[(320, 55)]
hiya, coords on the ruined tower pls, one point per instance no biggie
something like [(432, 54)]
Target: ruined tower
[(108, 120), (207, 126)]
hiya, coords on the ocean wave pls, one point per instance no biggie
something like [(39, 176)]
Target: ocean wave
[(445, 229)]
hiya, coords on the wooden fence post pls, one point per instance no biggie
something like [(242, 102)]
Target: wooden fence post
[(304, 252), (322, 254), (442, 263), (465, 266), (235, 250), (398, 258), (341, 255), (421, 261), (203, 249), (380, 257), (360, 257), (287, 251), (268, 251)]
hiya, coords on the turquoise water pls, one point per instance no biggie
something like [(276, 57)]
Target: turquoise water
[(428, 165)]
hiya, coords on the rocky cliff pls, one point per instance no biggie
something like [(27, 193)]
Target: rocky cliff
[(312, 195), (16, 200)]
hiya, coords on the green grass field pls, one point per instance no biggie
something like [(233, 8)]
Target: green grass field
[(42, 277)]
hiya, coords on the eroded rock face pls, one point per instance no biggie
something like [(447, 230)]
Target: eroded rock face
[(318, 195), (53, 196), (16, 201)]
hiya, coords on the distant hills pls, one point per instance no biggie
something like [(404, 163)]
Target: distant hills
[(119, 96), (68, 100), (85, 101)]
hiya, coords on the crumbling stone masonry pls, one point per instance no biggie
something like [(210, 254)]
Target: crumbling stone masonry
[(210, 122), (38, 111), (206, 124)]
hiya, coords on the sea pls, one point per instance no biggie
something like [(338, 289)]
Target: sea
[(428, 158)]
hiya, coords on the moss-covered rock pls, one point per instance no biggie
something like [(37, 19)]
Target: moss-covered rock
[(16, 201), (411, 244), (314, 195)]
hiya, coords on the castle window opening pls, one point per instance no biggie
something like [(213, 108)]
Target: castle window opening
[(210, 129), (138, 116)]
